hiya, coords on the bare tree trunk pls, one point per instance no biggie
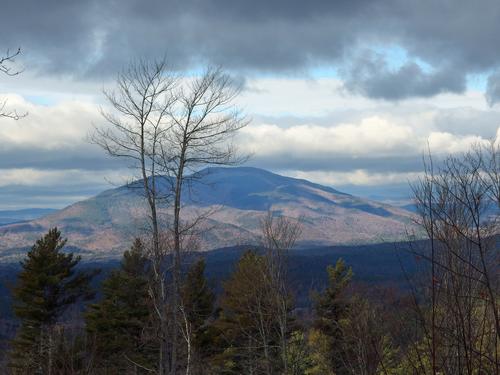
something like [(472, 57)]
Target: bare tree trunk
[(177, 257), (187, 333)]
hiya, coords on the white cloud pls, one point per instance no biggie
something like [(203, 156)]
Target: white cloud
[(328, 125), (373, 136), (60, 126), (302, 97), (447, 143)]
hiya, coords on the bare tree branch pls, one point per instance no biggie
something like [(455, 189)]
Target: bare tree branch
[(5, 67), (458, 207)]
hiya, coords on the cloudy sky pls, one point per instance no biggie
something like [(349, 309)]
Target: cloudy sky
[(345, 93)]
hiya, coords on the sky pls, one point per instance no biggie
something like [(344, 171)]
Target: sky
[(345, 93)]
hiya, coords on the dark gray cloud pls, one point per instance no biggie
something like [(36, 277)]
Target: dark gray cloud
[(80, 157), (493, 89), (370, 75), (95, 38)]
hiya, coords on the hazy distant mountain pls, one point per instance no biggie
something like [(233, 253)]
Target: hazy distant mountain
[(15, 216), (238, 198)]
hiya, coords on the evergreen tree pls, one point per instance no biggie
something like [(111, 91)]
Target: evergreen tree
[(248, 324), (118, 323), (47, 285), (331, 307)]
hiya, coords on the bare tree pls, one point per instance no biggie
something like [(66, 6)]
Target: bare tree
[(279, 235), (458, 205), (6, 67), (203, 121), (170, 126), (138, 123)]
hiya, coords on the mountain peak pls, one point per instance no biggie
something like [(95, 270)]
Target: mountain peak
[(239, 198)]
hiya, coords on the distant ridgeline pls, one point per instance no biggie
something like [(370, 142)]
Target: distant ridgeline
[(17, 216), (104, 226)]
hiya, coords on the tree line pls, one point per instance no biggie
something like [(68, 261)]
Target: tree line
[(250, 328)]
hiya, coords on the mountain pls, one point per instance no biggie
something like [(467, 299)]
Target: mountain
[(237, 199), (15, 216)]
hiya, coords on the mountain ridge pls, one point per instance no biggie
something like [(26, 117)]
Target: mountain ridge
[(104, 225)]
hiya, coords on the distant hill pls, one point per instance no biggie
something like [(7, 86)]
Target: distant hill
[(238, 198), (15, 216)]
